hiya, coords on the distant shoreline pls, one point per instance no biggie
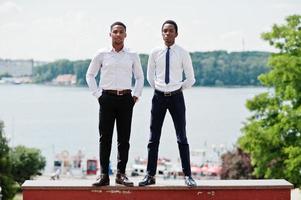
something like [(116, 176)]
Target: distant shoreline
[(146, 86)]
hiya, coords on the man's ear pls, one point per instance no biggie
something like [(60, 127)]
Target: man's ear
[(176, 34), (110, 34), (125, 35)]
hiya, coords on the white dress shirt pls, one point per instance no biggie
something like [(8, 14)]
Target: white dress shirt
[(116, 69), (179, 61)]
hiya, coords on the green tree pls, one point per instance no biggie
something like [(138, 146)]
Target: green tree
[(26, 163), (47, 72), (80, 69), (216, 68), (6, 180), (272, 135), (5, 75), (143, 60), (220, 68)]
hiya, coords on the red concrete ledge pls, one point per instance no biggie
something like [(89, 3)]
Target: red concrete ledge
[(164, 189)]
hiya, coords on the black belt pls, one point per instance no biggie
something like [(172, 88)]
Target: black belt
[(117, 92), (168, 94)]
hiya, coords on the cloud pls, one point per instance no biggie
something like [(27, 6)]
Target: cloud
[(232, 34), (11, 27), (284, 6), (69, 22), (199, 22), (9, 7)]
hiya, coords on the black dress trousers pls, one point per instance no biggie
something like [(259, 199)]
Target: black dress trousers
[(176, 106), (114, 108)]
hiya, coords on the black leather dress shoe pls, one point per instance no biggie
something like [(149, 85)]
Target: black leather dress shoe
[(148, 180), (122, 179), (189, 181), (102, 180)]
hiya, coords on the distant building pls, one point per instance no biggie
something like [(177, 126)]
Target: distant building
[(16, 80), (37, 63), (16, 68), (65, 79)]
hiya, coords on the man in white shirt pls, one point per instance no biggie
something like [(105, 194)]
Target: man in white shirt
[(116, 66), (164, 73)]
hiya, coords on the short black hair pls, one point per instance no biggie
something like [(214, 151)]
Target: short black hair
[(170, 22), (118, 23)]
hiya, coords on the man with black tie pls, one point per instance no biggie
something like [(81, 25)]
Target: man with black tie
[(164, 73), (116, 66)]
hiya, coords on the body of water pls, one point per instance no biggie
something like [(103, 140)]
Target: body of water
[(54, 119)]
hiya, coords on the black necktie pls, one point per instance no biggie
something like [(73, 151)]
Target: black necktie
[(167, 67)]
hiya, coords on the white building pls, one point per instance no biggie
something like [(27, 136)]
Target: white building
[(16, 68)]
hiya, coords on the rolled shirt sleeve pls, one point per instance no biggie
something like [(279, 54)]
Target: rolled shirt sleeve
[(151, 70), (138, 75), (92, 72), (116, 71), (180, 61), (188, 71)]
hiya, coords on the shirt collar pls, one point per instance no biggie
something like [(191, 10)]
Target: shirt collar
[(124, 49), (171, 47)]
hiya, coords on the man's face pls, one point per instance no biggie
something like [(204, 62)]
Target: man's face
[(118, 34), (169, 34)]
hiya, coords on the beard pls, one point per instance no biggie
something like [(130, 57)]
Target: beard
[(118, 42), (168, 40)]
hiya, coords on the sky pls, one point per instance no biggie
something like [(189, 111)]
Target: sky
[(47, 30)]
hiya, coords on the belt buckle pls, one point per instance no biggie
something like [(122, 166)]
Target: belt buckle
[(167, 94), (119, 93)]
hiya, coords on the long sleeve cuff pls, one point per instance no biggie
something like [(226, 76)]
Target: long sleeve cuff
[(97, 93)]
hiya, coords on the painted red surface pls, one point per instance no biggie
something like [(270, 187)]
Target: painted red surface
[(155, 194)]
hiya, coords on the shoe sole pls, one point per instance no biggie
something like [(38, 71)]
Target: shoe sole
[(127, 185), (102, 185), (95, 185), (143, 185), (191, 185)]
